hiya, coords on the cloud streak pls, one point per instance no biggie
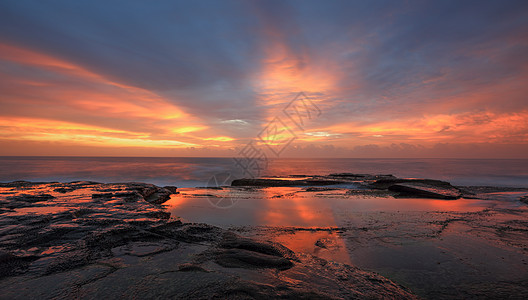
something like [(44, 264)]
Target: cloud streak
[(207, 76)]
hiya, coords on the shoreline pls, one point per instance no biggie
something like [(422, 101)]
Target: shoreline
[(102, 235)]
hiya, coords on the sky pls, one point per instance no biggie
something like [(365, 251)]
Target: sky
[(208, 78)]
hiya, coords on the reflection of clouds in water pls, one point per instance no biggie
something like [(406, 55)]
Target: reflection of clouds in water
[(293, 206)]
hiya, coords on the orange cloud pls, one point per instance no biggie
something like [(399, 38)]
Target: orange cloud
[(285, 72), (27, 129), (478, 127), (59, 101), (220, 139)]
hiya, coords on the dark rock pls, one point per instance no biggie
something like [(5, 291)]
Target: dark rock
[(63, 190), (164, 215), (524, 199), (11, 264), (190, 268), (102, 195), (171, 225), (417, 189), (18, 183), (46, 236), (128, 196), (370, 192), (171, 188), (245, 289), (233, 241), (159, 197), (4, 256), (385, 183), (349, 175), (151, 193), (71, 260), (143, 249), (353, 176), (189, 232), (319, 189), (84, 182), (205, 195), (143, 189), (31, 198), (197, 228), (279, 182), (113, 236), (240, 252), (239, 258), (82, 212)]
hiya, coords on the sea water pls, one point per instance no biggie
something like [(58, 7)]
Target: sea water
[(196, 171)]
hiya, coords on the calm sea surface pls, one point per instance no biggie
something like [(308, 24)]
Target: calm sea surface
[(193, 172)]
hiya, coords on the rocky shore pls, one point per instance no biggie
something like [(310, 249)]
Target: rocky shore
[(403, 187), (95, 240), (91, 240)]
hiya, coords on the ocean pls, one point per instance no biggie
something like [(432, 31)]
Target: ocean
[(196, 171)]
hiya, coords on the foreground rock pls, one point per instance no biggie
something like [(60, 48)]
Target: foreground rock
[(93, 240), (238, 252)]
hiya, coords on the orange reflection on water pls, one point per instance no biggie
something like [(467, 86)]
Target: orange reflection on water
[(324, 244), (284, 206), (175, 201), (449, 205)]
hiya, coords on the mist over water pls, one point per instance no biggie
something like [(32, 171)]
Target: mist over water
[(193, 172)]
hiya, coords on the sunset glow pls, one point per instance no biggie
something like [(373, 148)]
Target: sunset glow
[(274, 149), (384, 87)]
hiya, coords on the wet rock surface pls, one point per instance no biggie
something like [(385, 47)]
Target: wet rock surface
[(425, 190), (238, 252), (366, 184), (279, 182), (439, 255), (91, 240), (440, 240)]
